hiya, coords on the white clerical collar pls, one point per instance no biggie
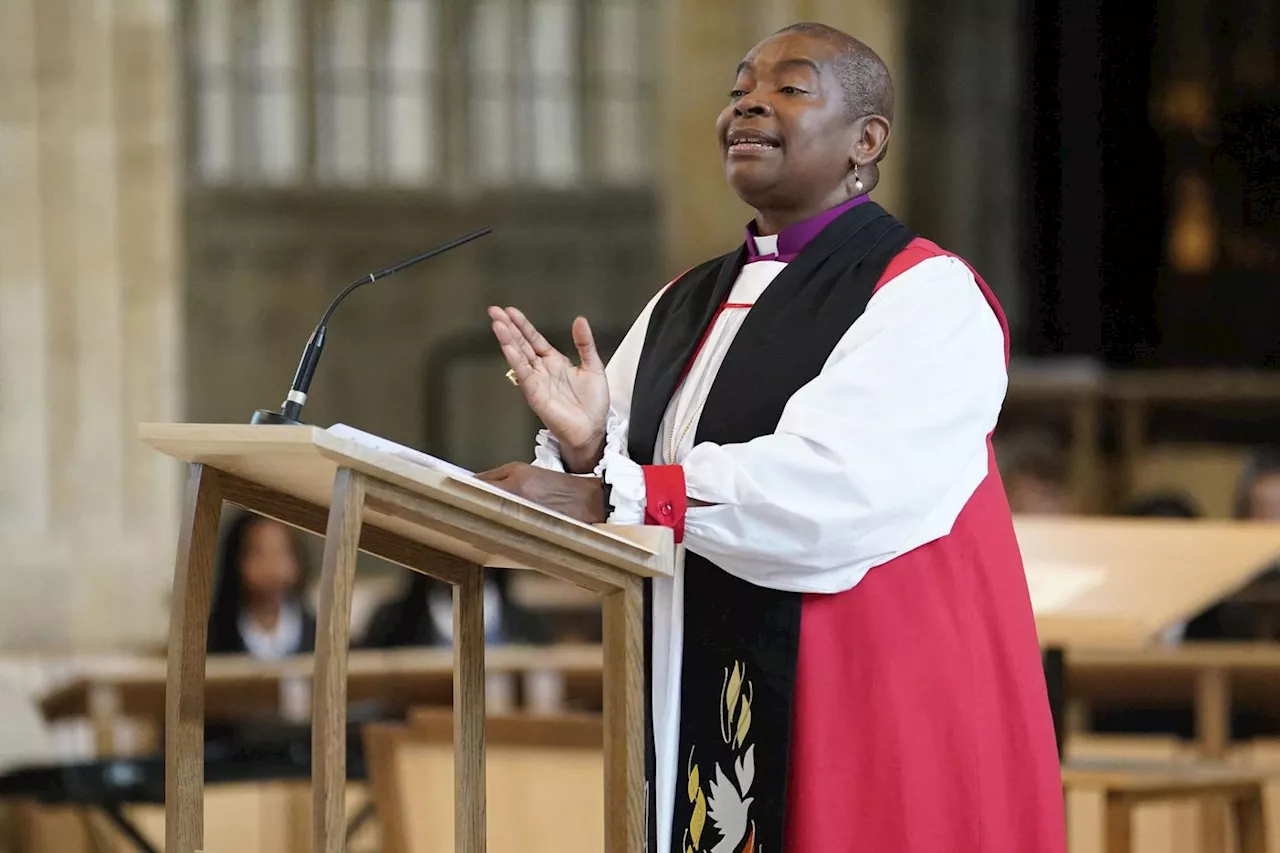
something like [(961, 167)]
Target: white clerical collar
[(766, 246)]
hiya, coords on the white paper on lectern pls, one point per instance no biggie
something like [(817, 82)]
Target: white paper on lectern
[(386, 445), (426, 460)]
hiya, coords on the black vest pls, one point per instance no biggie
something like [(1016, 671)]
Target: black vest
[(741, 640)]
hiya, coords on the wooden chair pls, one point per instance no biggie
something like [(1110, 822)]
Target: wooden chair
[(1161, 827), (1101, 798), (542, 780)]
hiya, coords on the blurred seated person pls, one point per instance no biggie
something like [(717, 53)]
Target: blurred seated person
[(1258, 492), (258, 604), (423, 615), (1034, 469)]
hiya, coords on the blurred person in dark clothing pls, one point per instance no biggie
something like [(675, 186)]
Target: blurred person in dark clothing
[(423, 615), (258, 603), (1163, 505)]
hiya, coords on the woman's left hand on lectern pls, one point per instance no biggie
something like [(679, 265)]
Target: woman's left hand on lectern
[(581, 498)]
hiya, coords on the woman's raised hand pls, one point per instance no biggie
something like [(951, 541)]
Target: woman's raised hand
[(571, 400)]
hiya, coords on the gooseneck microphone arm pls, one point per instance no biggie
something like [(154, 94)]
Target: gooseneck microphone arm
[(297, 396)]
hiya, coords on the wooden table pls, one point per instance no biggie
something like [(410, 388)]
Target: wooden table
[(1124, 581), (1210, 677), (1101, 800), (240, 686)]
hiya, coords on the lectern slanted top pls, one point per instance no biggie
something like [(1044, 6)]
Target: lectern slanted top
[(363, 499)]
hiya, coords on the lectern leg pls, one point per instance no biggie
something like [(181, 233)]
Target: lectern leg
[(329, 690), (624, 827), (184, 685), (468, 713)]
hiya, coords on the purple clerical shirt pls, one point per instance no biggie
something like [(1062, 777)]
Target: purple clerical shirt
[(795, 237)]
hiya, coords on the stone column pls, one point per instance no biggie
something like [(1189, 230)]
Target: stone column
[(965, 151), (89, 334), (702, 41)]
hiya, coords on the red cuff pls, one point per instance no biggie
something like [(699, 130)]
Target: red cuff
[(665, 502)]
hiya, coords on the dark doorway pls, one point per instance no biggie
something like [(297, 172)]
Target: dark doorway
[(1095, 182), (1153, 234)]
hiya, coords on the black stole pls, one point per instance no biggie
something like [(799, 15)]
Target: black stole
[(741, 640)]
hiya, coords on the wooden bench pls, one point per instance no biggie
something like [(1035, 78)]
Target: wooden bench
[(542, 778), (1101, 798)]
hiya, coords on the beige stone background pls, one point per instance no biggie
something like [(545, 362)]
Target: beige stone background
[(134, 288)]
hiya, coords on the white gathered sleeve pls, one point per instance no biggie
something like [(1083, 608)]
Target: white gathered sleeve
[(546, 453), (627, 499), (874, 457)]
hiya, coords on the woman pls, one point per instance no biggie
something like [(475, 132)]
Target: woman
[(258, 606), (846, 659)]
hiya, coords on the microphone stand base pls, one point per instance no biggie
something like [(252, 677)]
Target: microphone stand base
[(266, 416)]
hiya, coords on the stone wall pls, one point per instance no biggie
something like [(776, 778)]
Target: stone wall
[(89, 302), (410, 357), (126, 296)]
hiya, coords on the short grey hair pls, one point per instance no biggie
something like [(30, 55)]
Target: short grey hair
[(863, 76)]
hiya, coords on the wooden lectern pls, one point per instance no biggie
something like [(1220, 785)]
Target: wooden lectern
[(364, 500)]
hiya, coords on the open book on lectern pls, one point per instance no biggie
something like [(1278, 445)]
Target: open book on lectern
[(646, 537)]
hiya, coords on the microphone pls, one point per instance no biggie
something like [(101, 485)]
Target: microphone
[(297, 396)]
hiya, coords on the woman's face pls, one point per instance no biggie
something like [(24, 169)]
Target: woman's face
[(268, 564), (1264, 498)]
